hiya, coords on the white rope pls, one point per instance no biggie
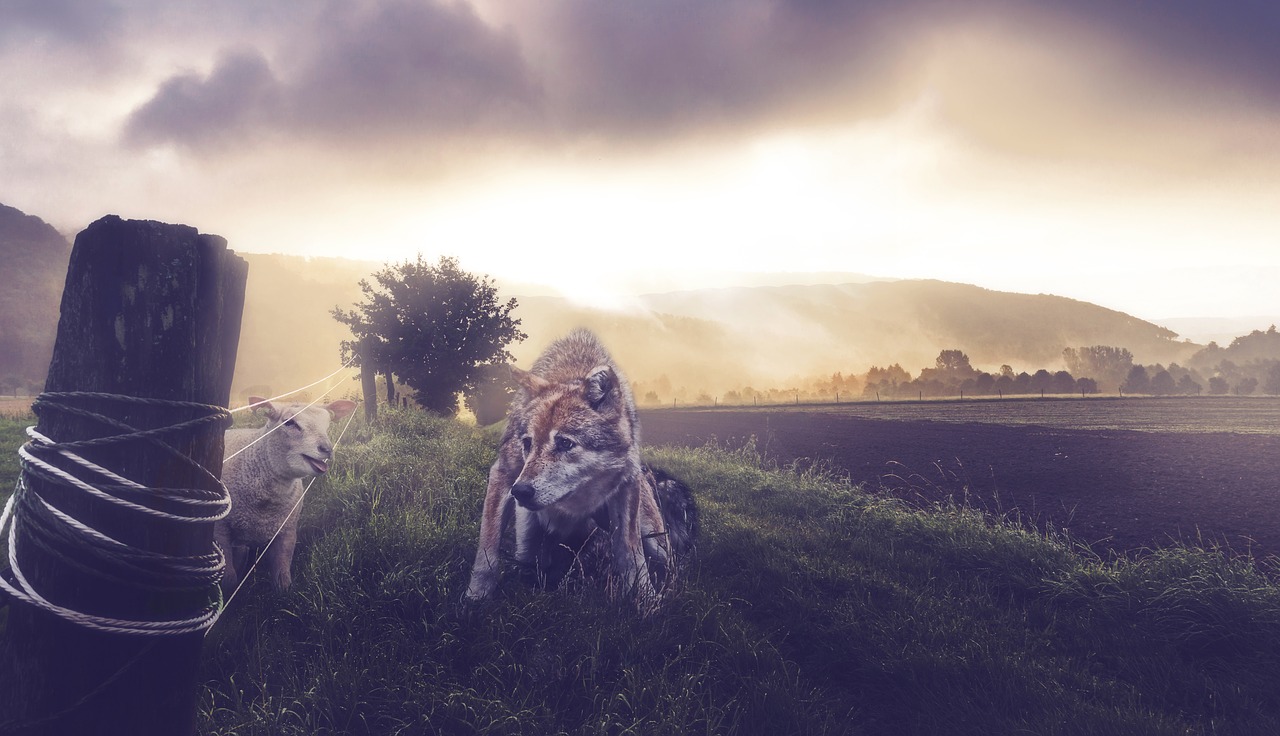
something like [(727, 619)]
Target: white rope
[(42, 440), (296, 390), (22, 589), (25, 592), (264, 435), (89, 531), (97, 493), (262, 553)]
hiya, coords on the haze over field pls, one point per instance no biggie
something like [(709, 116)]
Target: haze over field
[(1124, 154)]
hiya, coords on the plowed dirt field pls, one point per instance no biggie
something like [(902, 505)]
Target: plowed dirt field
[(1142, 472)]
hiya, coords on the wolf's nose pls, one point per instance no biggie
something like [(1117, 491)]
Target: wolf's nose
[(522, 492)]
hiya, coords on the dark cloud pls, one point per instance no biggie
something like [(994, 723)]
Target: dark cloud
[(667, 64), (356, 72), (238, 97), (1231, 45), (68, 21), (390, 69), (404, 66)]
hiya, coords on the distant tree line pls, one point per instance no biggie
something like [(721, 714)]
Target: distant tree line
[(1251, 365), (953, 375)]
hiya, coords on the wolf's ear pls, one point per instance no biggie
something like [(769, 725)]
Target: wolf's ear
[(601, 386), (526, 380)]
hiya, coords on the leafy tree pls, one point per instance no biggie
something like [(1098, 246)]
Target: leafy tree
[(1105, 364), (1247, 386), (433, 325), (1041, 381), (1137, 382), (490, 397), (1087, 386), (1188, 385), (954, 362), (1162, 383), (985, 384), (1218, 386), (1272, 382), (1063, 383)]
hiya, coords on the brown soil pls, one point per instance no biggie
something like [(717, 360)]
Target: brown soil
[(1112, 489), (12, 407)]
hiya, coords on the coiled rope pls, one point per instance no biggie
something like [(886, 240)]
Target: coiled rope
[(76, 543), (54, 530)]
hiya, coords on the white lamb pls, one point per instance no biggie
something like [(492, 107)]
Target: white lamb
[(264, 478)]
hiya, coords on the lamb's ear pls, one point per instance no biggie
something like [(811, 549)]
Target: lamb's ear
[(265, 406), (341, 408), (601, 386), (529, 382)]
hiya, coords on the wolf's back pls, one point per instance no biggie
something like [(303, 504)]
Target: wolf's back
[(679, 511)]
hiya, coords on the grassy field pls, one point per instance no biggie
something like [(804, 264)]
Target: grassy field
[(812, 607)]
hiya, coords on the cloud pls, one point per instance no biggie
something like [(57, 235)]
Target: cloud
[(364, 72), (239, 95), (667, 66), (69, 22), (400, 66), (1087, 79)]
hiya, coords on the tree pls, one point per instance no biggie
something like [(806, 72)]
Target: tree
[(1162, 383), (490, 397), (432, 326), (1063, 383), (1271, 383), (1105, 364), (1188, 385), (1137, 381), (1218, 385), (954, 362)]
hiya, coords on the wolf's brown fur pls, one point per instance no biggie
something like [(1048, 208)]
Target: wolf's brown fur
[(569, 464)]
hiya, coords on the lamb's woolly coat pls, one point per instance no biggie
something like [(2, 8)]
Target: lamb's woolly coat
[(263, 472)]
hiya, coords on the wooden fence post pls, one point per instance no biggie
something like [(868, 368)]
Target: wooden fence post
[(153, 311), (369, 379)]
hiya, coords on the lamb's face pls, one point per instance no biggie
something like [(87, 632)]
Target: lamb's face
[(300, 435)]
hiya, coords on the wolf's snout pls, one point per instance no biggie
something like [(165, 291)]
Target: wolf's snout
[(522, 493)]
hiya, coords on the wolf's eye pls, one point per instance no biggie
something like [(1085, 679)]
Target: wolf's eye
[(564, 444), (526, 443)]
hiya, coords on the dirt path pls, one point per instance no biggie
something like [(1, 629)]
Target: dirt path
[(1114, 489)]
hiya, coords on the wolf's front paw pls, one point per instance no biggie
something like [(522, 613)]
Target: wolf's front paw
[(481, 587)]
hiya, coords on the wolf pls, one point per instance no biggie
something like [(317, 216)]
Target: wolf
[(568, 470)]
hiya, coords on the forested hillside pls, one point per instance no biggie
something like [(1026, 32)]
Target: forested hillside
[(35, 257)]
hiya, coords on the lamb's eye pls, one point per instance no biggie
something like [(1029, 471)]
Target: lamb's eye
[(564, 444), (291, 423), (527, 443)]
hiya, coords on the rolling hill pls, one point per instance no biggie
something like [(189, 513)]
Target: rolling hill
[(35, 257), (701, 339)]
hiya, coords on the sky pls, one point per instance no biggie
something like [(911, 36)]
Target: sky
[(1125, 153)]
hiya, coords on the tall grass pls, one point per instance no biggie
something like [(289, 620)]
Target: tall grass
[(812, 607)]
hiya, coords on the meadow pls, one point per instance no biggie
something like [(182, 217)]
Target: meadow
[(813, 606)]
